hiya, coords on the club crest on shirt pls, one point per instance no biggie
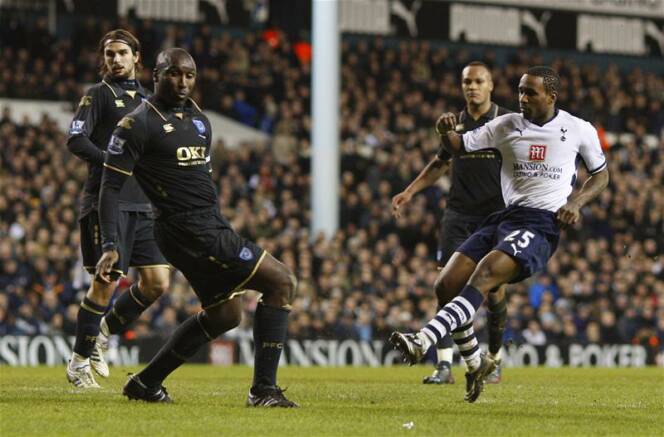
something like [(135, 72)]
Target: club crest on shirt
[(116, 145), (126, 122), (537, 152), (168, 128), (199, 125), (85, 101), (246, 255), (119, 103)]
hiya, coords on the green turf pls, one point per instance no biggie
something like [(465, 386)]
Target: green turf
[(341, 401)]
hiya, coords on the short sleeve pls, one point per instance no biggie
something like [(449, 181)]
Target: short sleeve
[(591, 150), (88, 113), (480, 138), (489, 136), (126, 145)]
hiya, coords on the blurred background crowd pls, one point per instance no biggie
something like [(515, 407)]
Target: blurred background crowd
[(604, 285)]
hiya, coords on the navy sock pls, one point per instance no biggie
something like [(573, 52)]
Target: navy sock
[(87, 327), (270, 329), (127, 308), (183, 344)]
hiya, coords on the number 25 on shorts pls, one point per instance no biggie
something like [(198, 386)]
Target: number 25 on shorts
[(522, 242)]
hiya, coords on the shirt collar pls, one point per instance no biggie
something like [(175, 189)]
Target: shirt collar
[(488, 115), (125, 86), (188, 109), (555, 114)]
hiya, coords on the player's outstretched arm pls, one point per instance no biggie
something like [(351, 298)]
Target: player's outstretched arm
[(445, 127), (569, 213), (427, 177)]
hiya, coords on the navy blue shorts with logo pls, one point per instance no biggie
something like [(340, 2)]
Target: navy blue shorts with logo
[(216, 261), (529, 235), (136, 243), (455, 228)]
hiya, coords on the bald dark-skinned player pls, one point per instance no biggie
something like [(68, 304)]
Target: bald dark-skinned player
[(474, 194), (165, 145)]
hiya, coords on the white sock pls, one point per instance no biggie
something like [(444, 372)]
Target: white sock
[(78, 361), (473, 363), (468, 345), (445, 354), (427, 342), (103, 327)]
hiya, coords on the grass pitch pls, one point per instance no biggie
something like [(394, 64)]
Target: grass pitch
[(340, 401)]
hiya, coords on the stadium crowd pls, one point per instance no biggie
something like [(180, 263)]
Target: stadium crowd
[(604, 285)]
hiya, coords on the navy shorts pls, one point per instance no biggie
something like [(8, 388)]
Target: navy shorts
[(136, 243), (455, 228), (528, 235), (216, 261)]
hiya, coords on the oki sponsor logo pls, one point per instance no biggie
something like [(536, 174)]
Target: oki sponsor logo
[(537, 152)]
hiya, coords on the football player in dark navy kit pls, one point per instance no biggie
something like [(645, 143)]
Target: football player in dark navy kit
[(474, 194), (165, 144), (98, 112)]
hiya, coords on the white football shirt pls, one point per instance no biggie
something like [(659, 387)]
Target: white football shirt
[(539, 162)]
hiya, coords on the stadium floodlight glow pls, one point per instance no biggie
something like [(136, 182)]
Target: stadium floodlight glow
[(325, 118)]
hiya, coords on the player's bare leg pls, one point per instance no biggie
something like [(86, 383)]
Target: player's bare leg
[(278, 285), (153, 282), (90, 313), (453, 277)]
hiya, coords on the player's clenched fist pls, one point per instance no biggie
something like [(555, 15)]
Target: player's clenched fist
[(568, 214), (398, 201), (105, 266), (446, 123)]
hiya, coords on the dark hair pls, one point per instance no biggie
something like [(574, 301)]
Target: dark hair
[(550, 76), (478, 64), (117, 35)]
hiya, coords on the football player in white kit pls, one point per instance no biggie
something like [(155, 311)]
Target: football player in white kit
[(539, 149)]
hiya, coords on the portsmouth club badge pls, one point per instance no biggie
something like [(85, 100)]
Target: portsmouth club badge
[(199, 125), (246, 255)]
